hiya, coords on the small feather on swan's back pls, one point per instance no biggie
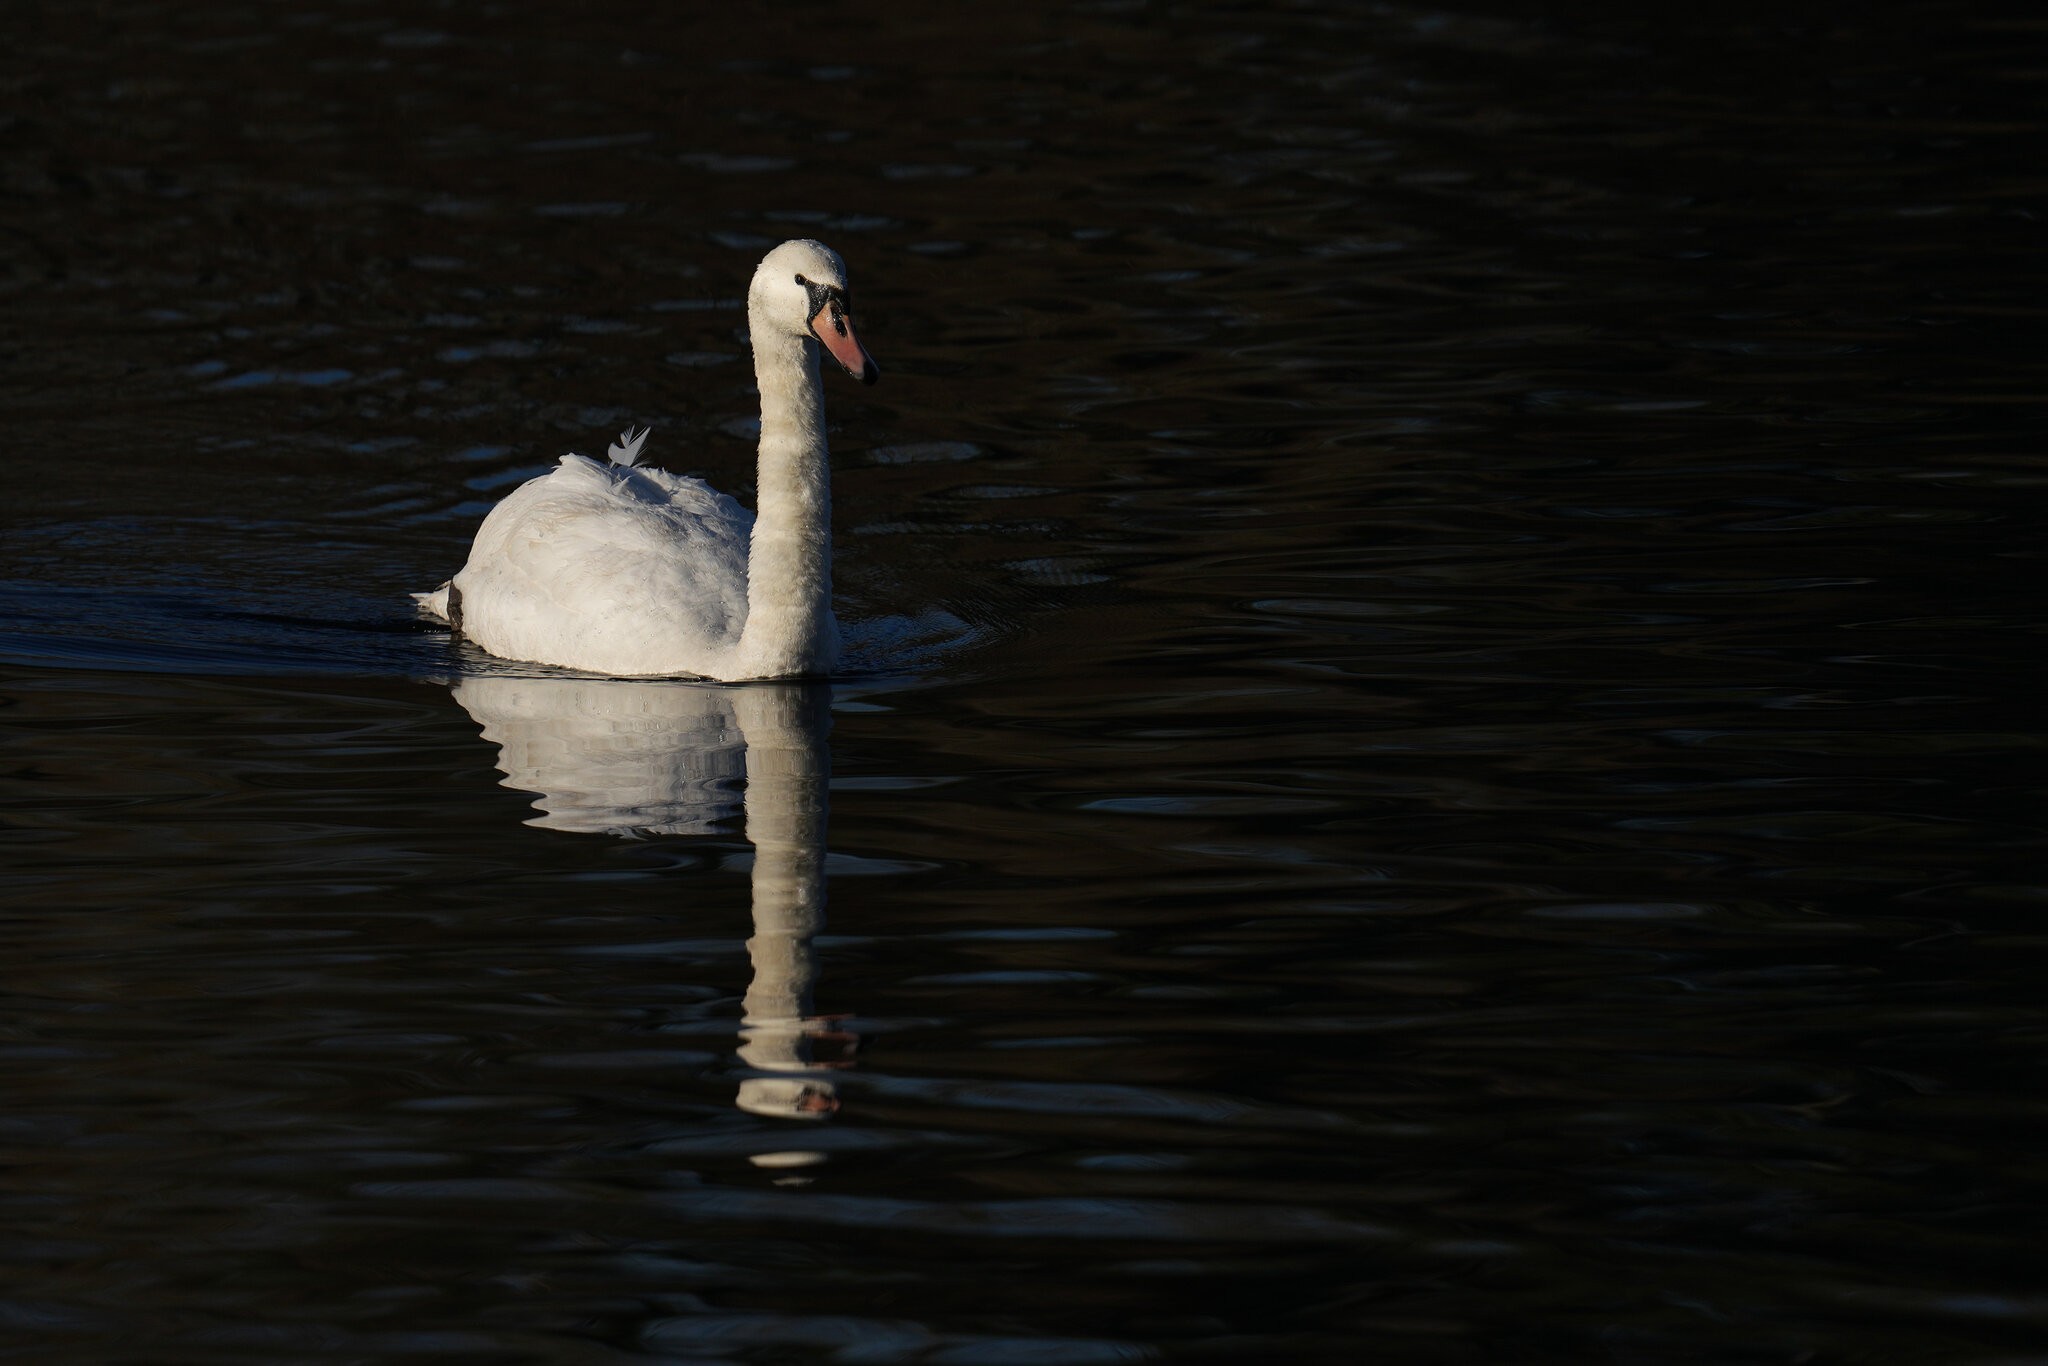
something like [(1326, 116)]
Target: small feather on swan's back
[(626, 450)]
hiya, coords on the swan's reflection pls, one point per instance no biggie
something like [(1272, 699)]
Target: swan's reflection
[(628, 758)]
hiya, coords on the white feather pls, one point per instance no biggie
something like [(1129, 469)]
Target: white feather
[(627, 450)]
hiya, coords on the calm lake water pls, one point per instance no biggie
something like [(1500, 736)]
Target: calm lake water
[(1440, 760)]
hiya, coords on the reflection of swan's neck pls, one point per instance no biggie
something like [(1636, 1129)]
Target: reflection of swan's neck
[(787, 808), (789, 628)]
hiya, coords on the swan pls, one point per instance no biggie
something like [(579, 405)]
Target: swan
[(620, 568)]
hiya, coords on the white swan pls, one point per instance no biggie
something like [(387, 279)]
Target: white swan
[(623, 569)]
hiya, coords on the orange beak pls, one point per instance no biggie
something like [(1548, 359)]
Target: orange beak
[(835, 330)]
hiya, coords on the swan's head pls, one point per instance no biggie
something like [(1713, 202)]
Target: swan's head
[(800, 287)]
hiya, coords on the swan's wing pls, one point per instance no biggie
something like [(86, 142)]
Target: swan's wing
[(619, 569)]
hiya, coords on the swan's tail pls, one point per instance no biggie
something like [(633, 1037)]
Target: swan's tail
[(626, 450), (435, 604)]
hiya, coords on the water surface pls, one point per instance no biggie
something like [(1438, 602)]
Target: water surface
[(1436, 758)]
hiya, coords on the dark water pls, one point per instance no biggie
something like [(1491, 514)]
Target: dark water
[(1442, 755)]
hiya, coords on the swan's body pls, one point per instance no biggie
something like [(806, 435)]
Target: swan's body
[(622, 569)]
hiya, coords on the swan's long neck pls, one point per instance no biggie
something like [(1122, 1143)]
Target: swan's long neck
[(789, 630)]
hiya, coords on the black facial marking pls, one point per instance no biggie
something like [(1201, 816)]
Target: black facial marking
[(824, 297)]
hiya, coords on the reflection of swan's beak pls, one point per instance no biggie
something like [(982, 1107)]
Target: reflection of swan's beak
[(788, 1097), (835, 330)]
